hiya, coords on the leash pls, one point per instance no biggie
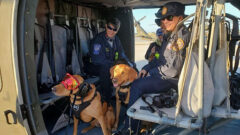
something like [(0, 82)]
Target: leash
[(151, 109), (70, 111)]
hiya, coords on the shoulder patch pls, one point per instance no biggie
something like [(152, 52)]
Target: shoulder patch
[(179, 45), (96, 49)]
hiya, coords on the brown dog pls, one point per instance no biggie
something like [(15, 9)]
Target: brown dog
[(122, 77), (86, 96)]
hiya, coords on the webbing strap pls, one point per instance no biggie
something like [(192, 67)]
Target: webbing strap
[(236, 59)]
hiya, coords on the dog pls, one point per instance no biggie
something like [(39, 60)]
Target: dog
[(122, 76), (86, 104), (109, 117)]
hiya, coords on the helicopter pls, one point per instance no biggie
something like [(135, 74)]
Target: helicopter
[(141, 32), (26, 110)]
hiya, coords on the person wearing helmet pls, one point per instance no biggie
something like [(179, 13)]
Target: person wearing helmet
[(171, 58)]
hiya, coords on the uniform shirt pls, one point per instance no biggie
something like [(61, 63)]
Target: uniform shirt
[(172, 54), (102, 52)]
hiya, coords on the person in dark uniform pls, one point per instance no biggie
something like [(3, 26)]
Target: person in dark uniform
[(106, 48), (159, 78), (154, 47)]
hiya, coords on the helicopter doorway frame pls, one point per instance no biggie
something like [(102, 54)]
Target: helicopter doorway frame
[(218, 10)]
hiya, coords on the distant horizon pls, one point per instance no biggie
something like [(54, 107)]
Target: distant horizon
[(149, 25)]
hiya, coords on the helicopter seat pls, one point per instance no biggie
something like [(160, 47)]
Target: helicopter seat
[(226, 85), (161, 115), (61, 36)]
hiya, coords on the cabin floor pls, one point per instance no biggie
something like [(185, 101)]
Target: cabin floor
[(231, 128), (53, 112), (95, 131)]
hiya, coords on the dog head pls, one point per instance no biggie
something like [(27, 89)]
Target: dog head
[(69, 83), (121, 74)]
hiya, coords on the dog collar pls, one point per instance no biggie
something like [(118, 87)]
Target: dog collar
[(70, 82), (126, 85)]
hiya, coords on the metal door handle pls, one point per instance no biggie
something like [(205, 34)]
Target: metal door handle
[(7, 115)]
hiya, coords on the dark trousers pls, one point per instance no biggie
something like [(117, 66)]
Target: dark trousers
[(150, 84), (103, 71)]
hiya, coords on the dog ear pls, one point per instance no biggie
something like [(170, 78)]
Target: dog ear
[(132, 74), (111, 71)]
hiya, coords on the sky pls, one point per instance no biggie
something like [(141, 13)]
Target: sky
[(149, 25)]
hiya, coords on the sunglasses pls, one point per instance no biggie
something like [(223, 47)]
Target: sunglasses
[(169, 18), (110, 28), (70, 82)]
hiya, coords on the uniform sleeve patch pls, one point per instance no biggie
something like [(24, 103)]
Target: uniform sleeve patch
[(179, 45), (96, 49)]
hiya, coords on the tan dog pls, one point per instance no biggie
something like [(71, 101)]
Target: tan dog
[(109, 117), (71, 85), (122, 76)]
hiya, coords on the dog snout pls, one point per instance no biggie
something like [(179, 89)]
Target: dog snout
[(114, 80)]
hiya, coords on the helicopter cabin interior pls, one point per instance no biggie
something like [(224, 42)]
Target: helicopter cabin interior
[(54, 36)]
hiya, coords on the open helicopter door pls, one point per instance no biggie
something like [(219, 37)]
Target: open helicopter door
[(10, 117), (16, 108), (195, 101)]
